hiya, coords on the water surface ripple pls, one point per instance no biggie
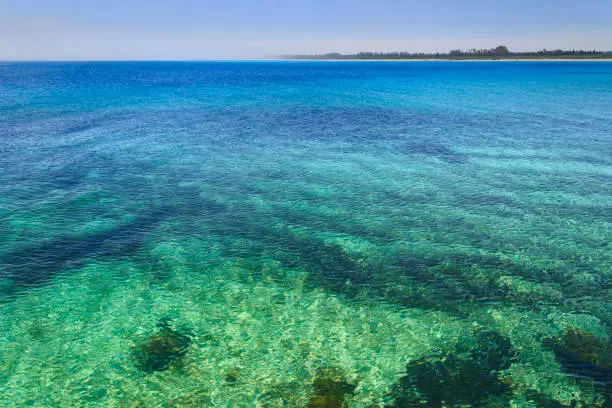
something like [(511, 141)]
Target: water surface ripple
[(306, 234)]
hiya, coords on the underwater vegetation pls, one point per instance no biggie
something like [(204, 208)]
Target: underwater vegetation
[(583, 355), (55, 255), (330, 389), (33, 264), (544, 401), (408, 280), (162, 348), (232, 376), (462, 378), (450, 282), (328, 262)]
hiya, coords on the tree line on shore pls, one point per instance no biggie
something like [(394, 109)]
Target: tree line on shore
[(499, 52)]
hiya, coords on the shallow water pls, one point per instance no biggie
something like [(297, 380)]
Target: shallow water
[(297, 234)]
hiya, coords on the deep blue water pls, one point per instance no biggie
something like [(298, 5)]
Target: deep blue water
[(306, 234)]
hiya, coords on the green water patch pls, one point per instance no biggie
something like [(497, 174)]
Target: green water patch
[(232, 342), (185, 323)]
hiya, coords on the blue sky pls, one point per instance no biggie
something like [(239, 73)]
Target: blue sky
[(190, 29)]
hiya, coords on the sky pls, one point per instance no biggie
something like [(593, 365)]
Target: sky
[(229, 29)]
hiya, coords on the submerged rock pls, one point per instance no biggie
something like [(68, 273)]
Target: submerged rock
[(544, 401), (456, 379), (233, 376), (330, 389), (494, 351), (162, 348), (451, 381), (584, 355)]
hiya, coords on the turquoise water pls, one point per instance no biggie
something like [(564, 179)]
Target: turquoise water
[(306, 234)]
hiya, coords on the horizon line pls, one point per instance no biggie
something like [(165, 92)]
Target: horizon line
[(291, 59), (317, 57)]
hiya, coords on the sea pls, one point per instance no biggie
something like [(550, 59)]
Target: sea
[(306, 234)]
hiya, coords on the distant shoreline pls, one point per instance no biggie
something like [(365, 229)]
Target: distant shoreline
[(286, 59), (499, 53), (450, 59)]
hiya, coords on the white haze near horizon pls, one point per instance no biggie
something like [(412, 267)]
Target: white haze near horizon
[(43, 38)]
